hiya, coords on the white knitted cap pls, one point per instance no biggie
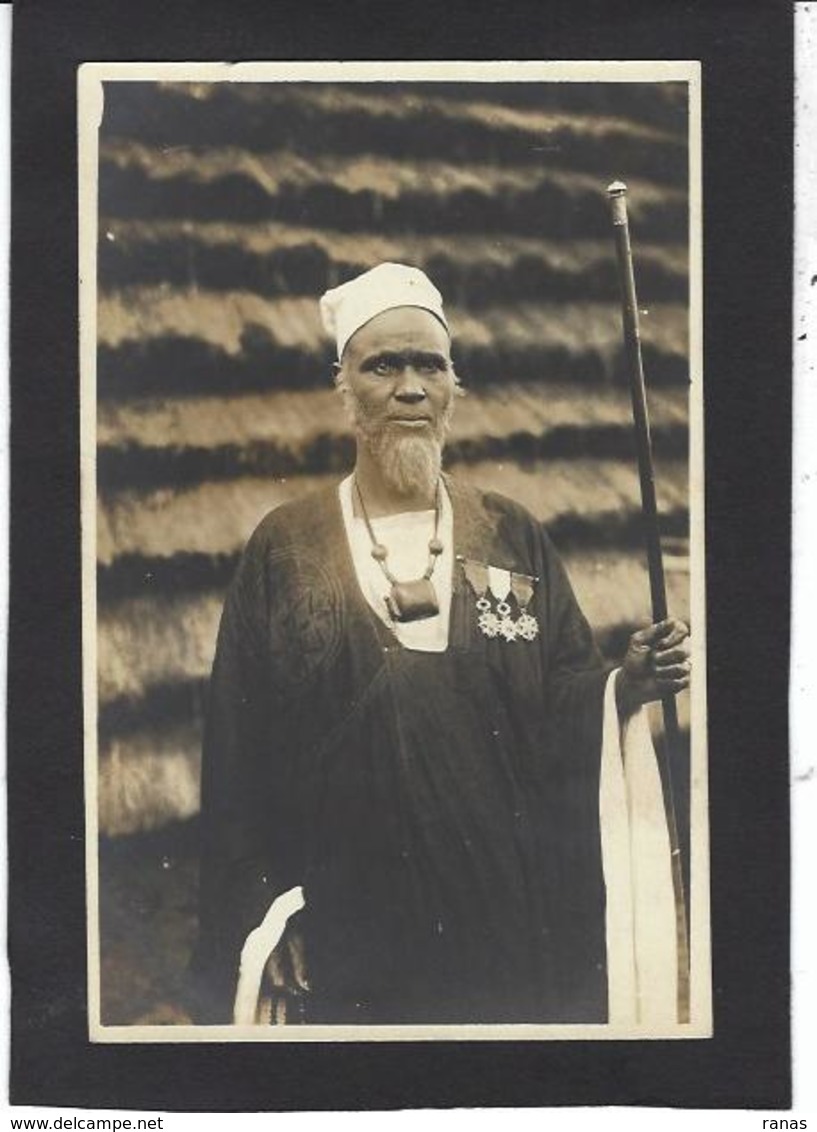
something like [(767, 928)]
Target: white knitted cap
[(346, 308)]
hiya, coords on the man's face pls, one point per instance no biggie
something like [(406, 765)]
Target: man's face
[(398, 382)]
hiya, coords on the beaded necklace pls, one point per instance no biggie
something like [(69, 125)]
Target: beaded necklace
[(413, 600)]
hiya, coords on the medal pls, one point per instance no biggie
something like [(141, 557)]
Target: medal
[(494, 587), (477, 575), (487, 620), (527, 627), (499, 583)]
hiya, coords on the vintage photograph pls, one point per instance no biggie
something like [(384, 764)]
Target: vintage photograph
[(393, 562)]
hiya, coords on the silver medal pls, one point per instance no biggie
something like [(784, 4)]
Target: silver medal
[(527, 627), (507, 627), (487, 620), (489, 623)]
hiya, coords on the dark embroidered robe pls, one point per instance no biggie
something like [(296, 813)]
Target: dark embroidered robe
[(440, 810)]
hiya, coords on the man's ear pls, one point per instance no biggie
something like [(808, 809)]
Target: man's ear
[(337, 374)]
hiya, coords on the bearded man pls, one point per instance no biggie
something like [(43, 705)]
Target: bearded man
[(425, 798)]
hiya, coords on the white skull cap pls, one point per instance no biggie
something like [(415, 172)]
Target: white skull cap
[(346, 308)]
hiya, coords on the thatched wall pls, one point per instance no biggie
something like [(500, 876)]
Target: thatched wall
[(225, 210)]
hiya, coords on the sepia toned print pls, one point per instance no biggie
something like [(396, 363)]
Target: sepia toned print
[(215, 215)]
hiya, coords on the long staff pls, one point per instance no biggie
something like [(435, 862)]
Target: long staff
[(617, 193)]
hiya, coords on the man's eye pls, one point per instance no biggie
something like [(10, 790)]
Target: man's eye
[(384, 368)]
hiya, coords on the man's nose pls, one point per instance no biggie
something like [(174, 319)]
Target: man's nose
[(410, 386)]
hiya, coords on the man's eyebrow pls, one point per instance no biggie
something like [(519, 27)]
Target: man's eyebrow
[(405, 357)]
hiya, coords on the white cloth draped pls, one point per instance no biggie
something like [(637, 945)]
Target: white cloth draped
[(258, 946), (642, 967)]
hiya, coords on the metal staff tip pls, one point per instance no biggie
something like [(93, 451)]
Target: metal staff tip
[(617, 192), (617, 189)]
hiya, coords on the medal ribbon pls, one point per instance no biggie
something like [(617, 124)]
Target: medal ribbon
[(522, 589), (477, 575)]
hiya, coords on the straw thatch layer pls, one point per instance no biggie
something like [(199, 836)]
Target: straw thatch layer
[(299, 420), (158, 341), (162, 709), (217, 518), (178, 442), (119, 468), (151, 641), (367, 192), (225, 321), (278, 260), (148, 781), (409, 123), (664, 104)]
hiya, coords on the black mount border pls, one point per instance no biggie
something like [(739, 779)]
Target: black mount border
[(747, 54)]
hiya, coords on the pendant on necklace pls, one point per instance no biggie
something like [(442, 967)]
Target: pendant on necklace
[(412, 601), (415, 600)]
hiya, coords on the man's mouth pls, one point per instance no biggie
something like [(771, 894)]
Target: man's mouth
[(410, 422)]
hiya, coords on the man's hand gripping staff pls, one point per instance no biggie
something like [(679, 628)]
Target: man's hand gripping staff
[(656, 664)]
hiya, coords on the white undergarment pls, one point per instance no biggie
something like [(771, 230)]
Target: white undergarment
[(406, 537)]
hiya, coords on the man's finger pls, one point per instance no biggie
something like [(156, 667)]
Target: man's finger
[(675, 635), (672, 672), (673, 686), (664, 657), (651, 635)]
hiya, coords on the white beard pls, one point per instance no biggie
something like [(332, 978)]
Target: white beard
[(409, 464)]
